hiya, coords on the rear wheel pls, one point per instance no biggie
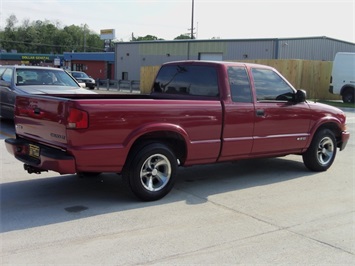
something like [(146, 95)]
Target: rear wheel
[(321, 153), (151, 172)]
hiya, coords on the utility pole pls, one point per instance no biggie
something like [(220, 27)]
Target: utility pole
[(192, 20), (85, 37)]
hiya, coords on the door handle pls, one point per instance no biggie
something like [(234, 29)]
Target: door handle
[(37, 113), (260, 112)]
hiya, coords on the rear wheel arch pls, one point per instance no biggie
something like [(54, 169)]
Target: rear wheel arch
[(171, 139), (150, 171)]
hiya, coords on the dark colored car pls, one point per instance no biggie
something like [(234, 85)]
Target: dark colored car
[(22, 80), (84, 78)]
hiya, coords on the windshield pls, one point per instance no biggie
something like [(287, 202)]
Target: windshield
[(27, 77), (79, 75)]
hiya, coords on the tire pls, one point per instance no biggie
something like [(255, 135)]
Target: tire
[(151, 172), (348, 96), (321, 153)]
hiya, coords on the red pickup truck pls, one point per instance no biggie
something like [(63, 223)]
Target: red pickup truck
[(198, 112)]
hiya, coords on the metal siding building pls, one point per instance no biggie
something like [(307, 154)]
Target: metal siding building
[(131, 56), (250, 49), (320, 48)]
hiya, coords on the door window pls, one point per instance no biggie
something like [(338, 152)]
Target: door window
[(2, 69), (7, 75), (270, 86)]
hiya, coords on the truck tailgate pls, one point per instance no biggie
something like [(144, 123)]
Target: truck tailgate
[(42, 119)]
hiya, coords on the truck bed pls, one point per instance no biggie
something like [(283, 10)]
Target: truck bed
[(117, 121)]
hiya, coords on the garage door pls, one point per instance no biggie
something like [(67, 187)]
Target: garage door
[(211, 56)]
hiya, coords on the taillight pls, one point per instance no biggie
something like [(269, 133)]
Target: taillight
[(77, 119)]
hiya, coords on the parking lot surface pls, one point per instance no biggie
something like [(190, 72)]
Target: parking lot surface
[(264, 211)]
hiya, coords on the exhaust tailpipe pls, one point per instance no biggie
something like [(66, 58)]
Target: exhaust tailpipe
[(33, 170)]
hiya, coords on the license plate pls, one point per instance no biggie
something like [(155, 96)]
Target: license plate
[(34, 151)]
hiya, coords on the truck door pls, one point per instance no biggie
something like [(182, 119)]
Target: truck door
[(239, 116), (281, 125)]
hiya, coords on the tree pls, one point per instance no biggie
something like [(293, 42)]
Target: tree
[(9, 33), (145, 38), (47, 37), (183, 37)]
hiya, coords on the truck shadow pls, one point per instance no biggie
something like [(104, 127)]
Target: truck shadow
[(43, 201), (202, 182)]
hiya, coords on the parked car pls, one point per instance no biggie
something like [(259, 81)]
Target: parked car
[(23, 80), (342, 81), (84, 78)]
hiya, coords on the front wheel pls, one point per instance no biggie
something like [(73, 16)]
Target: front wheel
[(151, 173), (321, 153)]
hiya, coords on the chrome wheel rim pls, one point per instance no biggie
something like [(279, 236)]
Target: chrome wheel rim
[(155, 172), (325, 151)]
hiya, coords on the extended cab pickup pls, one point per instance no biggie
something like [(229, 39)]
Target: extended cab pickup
[(198, 112)]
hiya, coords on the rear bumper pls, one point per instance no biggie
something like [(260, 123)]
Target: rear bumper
[(345, 135), (48, 159)]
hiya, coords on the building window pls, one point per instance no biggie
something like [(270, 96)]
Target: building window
[(78, 67), (124, 75)]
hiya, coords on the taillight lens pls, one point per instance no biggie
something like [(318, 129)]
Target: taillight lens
[(77, 119)]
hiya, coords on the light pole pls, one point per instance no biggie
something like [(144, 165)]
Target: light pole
[(192, 20)]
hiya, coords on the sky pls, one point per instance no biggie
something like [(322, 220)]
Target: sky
[(167, 19)]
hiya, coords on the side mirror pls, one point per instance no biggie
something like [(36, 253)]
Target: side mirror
[(300, 96)]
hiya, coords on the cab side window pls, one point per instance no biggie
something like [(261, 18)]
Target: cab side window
[(239, 84), (270, 86), (187, 80)]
